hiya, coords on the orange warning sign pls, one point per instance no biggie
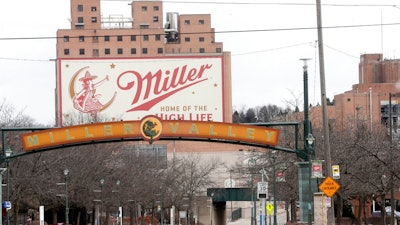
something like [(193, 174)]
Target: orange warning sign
[(329, 186)]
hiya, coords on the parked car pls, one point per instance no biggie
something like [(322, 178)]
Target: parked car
[(388, 210)]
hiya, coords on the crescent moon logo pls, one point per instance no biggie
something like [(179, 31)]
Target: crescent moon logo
[(72, 91)]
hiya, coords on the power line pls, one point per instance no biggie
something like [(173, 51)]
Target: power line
[(275, 3), (219, 32), (271, 49)]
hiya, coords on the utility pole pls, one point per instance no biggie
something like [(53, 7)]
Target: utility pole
[(327, 152)]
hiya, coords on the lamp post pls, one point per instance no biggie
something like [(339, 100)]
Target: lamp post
[(274, 188), (101, 200), (251, 164), (118, 183), (8, 153), (308, 141), (161, 206), (211, 207), (66, 172), (2, 170)]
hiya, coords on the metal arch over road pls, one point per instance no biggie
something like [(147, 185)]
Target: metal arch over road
[(150, 128)]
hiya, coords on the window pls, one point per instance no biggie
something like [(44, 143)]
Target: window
[(93, 9), (144, 50), (201, 39), (120, 51), (81, 38), (81, 51), (145, 37), (155, 18), (95, 39), (156, 8), (107, 51), (95, 52), (159, 50), (94, 19), (158, 37), (202, 50), (201, 22), (80, 8), (79, 27), (218, 50), (133, 51), (133, 37), (80, 19), (187, 39), (187, 22), (66, 51), (66, 38), (119, 38), (144, 26), (106, 38), (144, 8)]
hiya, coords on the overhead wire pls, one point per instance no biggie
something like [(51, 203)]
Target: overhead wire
[(220, 32), (239, 31)]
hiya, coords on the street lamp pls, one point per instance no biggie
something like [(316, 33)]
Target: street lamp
[(8, 153), (274, 182), (1, 191), (211, 207), (308, 141), (101, 200), (310, 145), (66, 172), (118, 183), (251, 164)]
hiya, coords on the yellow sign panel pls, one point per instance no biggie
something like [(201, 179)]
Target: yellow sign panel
[(150, 128), (329, 186), (270, 208)]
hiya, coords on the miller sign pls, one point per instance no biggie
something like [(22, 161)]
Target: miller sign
[(150, 128), (171, 88)]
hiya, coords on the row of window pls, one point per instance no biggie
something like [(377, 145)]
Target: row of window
[(95, 39), (155, 8), (187, 22), (120, 51), (93, 8), (82, 21), (107, 51)]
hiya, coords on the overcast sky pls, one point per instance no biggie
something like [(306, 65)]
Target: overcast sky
[(266, 40)]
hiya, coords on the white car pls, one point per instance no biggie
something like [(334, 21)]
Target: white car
[(388, 210)]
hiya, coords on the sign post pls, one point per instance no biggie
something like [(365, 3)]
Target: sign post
[(262, 193)]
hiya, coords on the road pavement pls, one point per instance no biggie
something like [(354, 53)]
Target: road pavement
[(280, 218)]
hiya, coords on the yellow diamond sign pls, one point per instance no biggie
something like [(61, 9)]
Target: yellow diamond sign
[(329, 186)]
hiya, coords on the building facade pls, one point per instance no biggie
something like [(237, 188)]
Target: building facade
[(368, 100), (143, 36), (146, 37)]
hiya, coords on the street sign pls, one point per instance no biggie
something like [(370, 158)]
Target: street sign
[(270, 208), (229, 183), (329, 186), (262, 189), (335, 172), (7, 204)]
